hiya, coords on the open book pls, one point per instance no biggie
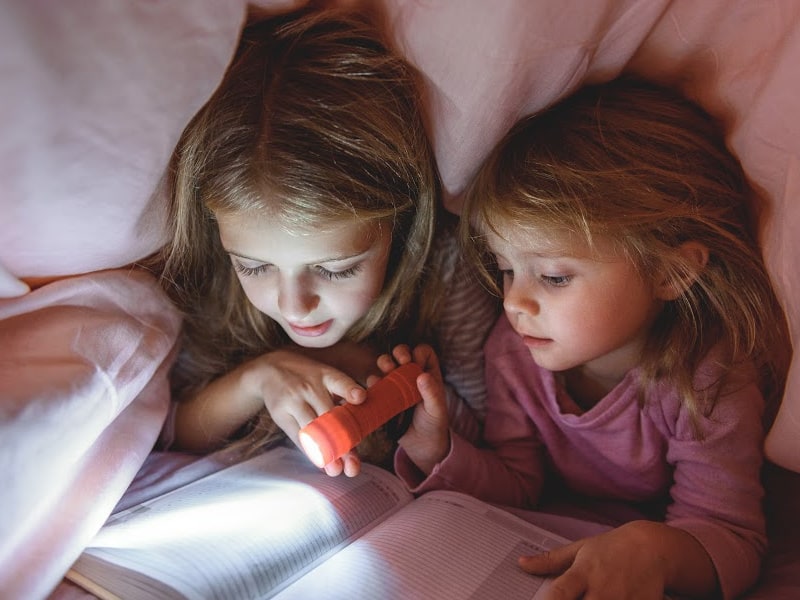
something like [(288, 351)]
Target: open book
[(274, 526)]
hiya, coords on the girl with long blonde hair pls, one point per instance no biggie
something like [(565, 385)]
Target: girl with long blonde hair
[(308, 237)]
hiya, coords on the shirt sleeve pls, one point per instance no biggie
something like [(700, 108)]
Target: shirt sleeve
[(717, 493), (467, 314)]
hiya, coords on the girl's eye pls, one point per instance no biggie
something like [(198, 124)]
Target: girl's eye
[(556, 280), (249, 271), (331, 275)]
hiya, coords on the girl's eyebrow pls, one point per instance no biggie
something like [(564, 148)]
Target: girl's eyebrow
[(343, 258), (240, 255), (323, 260)]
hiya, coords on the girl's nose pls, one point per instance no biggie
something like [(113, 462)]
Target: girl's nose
[(518, 298), (296, 300)]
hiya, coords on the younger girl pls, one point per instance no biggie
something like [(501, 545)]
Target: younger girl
[(304, 213), (639, 340)]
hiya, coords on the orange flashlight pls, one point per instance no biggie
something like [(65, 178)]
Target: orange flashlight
[(334, 433)]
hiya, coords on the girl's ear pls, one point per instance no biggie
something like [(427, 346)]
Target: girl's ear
[(693, 256)]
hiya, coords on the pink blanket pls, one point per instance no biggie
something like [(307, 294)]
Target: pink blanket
[(95, 95)]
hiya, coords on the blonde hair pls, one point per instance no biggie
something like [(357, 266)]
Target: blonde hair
[(316, 121), (646, 168)]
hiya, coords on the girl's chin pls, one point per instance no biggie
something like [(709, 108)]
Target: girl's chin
[(545, 362), (317, 342)]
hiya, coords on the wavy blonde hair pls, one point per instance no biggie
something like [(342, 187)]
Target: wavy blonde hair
[(317, 120), (646, 168)]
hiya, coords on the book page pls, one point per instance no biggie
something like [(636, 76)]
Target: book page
[(442, 546), (243, 532)]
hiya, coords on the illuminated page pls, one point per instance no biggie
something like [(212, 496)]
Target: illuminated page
[(244, 532), (442, 546)]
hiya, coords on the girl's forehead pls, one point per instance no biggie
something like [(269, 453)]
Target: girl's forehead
[(270, 223), (542, 240), (263, 237), (549, 241)]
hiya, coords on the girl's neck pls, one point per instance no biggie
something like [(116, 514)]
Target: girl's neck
[(590, 382), (587, 389)]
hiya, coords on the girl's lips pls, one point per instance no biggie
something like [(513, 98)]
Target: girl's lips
[(534, 342), (315, 331)]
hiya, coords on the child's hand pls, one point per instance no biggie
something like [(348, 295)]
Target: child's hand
[(296, 389), (427, 440), (636, 561)]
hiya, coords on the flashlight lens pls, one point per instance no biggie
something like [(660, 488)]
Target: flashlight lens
[(312, 449)]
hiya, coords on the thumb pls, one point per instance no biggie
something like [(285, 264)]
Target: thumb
[(550, 562), (434, 396)]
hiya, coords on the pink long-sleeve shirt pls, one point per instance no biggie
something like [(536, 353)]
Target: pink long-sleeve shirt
[(617, 450)]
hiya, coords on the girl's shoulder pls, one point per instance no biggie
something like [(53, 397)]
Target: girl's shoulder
[(728, 395)]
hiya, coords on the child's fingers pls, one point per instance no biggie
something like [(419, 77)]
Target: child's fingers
[(352, 464), (550, 563), (359, 394), (425, 356), (339, 385), (349, 464), (386, 363), (434, 398), (334, 468), (402, 354)]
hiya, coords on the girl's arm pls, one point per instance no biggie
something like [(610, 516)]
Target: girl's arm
[(292, 387), (717, 491), (208, 419), (713, 540)]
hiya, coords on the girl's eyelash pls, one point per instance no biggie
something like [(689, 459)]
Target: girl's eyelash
[(551, 280), (339, 274), (249, 271), (556, 280), (327, 274)]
